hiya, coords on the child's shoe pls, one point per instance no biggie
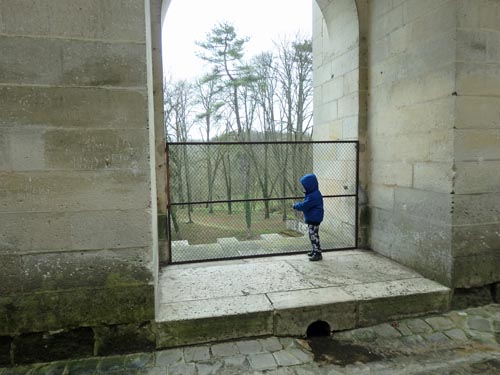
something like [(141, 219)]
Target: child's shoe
[(315, 257)]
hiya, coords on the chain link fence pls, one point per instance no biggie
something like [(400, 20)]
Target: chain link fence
[(231, 200)]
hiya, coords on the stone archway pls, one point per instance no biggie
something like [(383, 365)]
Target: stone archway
[(340, 88)]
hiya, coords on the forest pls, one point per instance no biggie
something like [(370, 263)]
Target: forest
[(214, 173)]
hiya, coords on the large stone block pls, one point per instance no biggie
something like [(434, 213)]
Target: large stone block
[(391, 173), (417, 243), (476, 239), (388, 301), (96, 149), (82, 307), (476, 270), (477, 144), (477, 177), (431, 85), (125, 338), (24, 232), (436, 146), (441, 19), (295, 311), (381, 196), (388, 23), (431, 206), (437, 177), (477, 79), (414, 9), (433, 117), (89, 269), (333, 89), (92, 19), (11, 274), (476, 209), (28, 60), (489, 14), (39, 347), (72, 107), (75, 63), (472, 45), (104, 64), (110, 229), (468, 108), (188, 332), (46, 191)]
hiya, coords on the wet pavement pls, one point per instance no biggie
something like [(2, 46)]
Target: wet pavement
[(459, 342)]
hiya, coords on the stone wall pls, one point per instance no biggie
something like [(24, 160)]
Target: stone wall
[(77, 212), (339, 106), (431, 128), (410, 132), (476, 210)]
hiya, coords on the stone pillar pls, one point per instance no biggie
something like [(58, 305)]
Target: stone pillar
[(476, 200), (76, 244)]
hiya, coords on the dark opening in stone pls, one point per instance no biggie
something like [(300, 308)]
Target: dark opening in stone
[(318, 329)]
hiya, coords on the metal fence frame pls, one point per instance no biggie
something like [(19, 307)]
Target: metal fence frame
[(170, 204)]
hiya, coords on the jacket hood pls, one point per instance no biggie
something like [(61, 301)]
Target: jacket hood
[(309, 182)]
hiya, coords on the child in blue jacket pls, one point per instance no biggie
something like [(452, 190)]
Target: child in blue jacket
[(312, 206)]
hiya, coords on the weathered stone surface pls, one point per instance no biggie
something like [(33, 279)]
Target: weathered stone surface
[(52, 310), (400, 237), (249, 347), (439, 323), (79, 190), (181, 332), (476, 270), (5, 346), (126, 338), (70, 107), (94, 19), (227, 349), (296, 310), (397, 299), (386, 331), (167, 357), (479, 324), (456, 334), (105, 268), (42, 347), (96, 149), (72, 62), (464, 298), (262, 361), (196, 353), (11, 275), (418, 326)]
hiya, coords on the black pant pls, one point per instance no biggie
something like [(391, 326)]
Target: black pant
[(314, 237)]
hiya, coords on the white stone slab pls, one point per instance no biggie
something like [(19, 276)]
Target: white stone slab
[(213, 307)]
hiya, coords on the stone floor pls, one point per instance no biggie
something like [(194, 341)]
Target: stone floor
[(459, 342), (283, 295)]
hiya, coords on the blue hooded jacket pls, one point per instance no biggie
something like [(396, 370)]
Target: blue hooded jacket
[(312, 205)]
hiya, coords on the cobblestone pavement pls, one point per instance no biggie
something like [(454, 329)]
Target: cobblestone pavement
[(459, 343)]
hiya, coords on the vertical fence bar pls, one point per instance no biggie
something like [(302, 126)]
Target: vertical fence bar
[(167, 191), (356, 223)]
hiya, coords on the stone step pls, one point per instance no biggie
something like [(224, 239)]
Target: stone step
[(283, 295)]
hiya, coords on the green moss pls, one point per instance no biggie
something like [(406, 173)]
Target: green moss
[(47, 311)]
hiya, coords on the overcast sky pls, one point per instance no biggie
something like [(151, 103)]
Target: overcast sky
[(188, 21)]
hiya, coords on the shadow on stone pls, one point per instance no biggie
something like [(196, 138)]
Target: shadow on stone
[(327, 349)]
